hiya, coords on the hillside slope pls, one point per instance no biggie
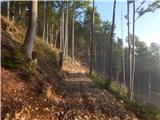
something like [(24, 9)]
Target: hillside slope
[(36, 91)]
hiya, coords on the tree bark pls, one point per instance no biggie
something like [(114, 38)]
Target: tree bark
[(43, 23), (129, 52), (124, 70), (30, 36), (60, 42), (62, 27), (47, 33), (73, 37), (20, 13), (149, 85), (117, 77), (8, 10), (66, 34), (95, 53), (51, 34), (133, 52), (89, 46), (92, 28), (55, 44), (111, 40)]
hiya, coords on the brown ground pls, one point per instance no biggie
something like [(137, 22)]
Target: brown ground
[(46, 96)]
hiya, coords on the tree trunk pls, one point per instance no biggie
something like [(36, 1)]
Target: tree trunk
[(55, 44), (95, 53), (47, 33), (149, 85), (111, 40), (60, 42), (20, 13), (73, 37), (104, 57), (117, 77), (66, 34), (89, 46), (124, 71), (52, 36), (62, 27), (133, 52), (61, 33), (92, 28), (8, 10), (43, 23), (30, 36), (129, 52), (88, 53)]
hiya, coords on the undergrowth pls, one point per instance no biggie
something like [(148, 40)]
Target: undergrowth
[(44, 50), (15, 60), (149, 112)]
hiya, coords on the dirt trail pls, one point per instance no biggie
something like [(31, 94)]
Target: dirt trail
[(92, 99)]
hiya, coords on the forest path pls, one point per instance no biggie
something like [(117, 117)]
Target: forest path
[(92, 99)]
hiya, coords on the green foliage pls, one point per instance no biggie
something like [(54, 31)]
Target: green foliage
[(14, 61), (45, 51), (152, 7), (141, 48), (148, 111), (100, 80)]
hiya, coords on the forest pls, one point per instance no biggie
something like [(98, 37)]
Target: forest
[(61, 61)]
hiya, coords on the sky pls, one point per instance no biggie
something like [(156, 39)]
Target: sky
[(147, 27)]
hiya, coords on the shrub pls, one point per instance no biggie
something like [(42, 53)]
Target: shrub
[(114, 88), (16, 59)]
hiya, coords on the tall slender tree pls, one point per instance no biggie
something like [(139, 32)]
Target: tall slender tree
[(66, 32), (30, 36), (8, 10), (47, 31), (133, 52), (44, 16), (129, 51), (92, 39), (111, 40), (62, 35), (62, 27), (57, 33), (124, 70), (73, 33)]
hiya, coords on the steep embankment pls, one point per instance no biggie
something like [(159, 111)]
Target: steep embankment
[(36, 91)]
